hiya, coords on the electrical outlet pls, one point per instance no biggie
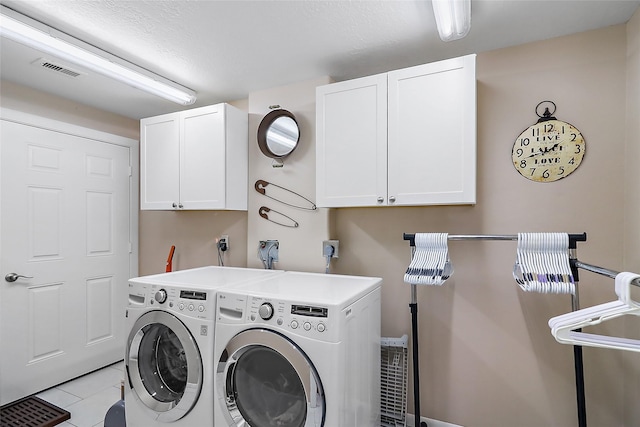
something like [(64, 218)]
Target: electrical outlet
[(326, 250), (223, 243)]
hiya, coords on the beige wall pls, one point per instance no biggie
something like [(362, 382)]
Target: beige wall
[(487, 357), (21, 98), (194, 235), (632, 207)]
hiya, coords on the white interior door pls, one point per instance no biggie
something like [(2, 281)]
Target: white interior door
[(65, 222)]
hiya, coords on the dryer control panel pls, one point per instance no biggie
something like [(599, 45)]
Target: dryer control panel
[(302, 319), (190, 302)]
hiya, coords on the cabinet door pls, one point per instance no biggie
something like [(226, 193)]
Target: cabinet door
[(432, 133), (159, 168), (351, 141), (203, 158)]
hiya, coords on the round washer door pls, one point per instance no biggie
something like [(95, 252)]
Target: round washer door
[(267, 381), (164, 365)]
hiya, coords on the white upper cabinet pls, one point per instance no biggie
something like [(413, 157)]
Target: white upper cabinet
[(403, 138), (195, 159)]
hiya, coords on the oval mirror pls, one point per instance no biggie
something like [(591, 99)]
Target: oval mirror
[(278, 134)]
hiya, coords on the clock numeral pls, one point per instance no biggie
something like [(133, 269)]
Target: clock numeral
[(560, 170), (546, 173), (535, 132), (578, 149), (523, 164), (573, 137), (533, 170), (524, 142), (548, 127), (572, 161), (519, 152)]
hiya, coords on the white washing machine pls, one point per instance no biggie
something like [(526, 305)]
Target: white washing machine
[(299, 350), (169, 351)]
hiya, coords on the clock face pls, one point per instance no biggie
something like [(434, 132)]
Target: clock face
[(548, 151)]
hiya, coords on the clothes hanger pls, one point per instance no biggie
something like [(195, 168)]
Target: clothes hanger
[(563, 327), (542, 263), (430, 264)]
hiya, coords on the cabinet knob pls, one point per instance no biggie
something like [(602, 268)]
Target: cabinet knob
[(180, 206), (174, 205), (380, 199), (392, 199)]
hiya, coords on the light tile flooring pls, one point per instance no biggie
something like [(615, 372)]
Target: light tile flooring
[(89, 397)]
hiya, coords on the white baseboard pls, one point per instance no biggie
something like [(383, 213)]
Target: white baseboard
[(430, 422)]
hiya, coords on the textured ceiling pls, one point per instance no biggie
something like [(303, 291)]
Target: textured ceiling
[(225, 50)]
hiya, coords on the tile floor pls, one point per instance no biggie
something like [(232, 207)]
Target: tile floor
[(89, 397)]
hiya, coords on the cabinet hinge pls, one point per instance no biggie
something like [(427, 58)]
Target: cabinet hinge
[(130, 247), (130, 171)]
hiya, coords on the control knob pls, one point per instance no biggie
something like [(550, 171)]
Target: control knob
[(161, 296), (266, 311)]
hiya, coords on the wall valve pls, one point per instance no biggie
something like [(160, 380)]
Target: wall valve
[(330, 250)]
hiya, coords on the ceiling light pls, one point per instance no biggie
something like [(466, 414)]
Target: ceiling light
[(453, 18), (43, 40)]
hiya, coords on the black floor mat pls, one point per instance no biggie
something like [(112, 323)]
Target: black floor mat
[(31, 412)]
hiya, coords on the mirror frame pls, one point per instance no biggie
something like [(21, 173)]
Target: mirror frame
[(264, 127)]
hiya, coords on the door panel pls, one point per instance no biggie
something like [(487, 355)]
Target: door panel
[(65, 222), (100, 321), (44, 322)]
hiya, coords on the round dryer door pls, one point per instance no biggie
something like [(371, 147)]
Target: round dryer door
[(164, 365), (267, 381)]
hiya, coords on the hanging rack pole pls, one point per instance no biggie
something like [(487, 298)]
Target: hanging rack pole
[(413, 307), (578, 360), (603, 271), (582, 237)]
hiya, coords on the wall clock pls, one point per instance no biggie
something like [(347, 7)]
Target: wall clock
[(548, 150)]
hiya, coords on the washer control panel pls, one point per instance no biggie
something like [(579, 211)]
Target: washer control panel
[(302, 319), (190, 302)]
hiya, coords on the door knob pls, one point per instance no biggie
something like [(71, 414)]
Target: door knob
[(12, 277)]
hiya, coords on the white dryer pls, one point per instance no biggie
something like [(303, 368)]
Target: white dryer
[(169, 350), (299, 350)]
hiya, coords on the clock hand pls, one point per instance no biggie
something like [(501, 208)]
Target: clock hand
[(538, 153), (545, 151)]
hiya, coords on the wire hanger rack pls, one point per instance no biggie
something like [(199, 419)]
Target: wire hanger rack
[(575, 264)]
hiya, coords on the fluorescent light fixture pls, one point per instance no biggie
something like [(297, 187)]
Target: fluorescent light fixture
[(453, 18), (14, 29)]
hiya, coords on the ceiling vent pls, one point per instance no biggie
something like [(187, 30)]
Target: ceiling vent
[(57, 67)]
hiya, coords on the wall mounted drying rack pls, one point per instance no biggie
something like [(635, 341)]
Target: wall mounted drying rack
[(577, 350)]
